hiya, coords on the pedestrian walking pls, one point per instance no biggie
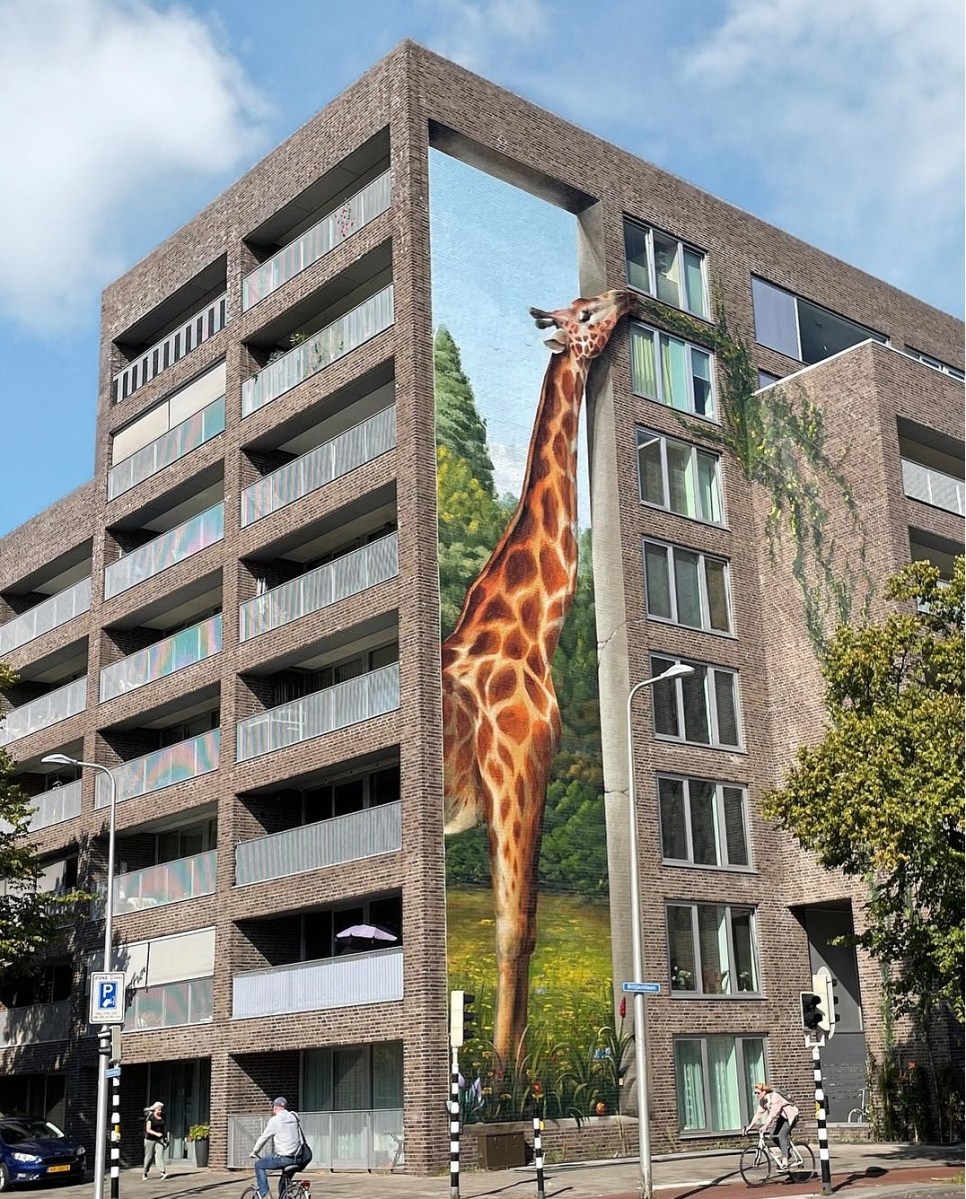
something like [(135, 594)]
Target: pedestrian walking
[(155, 1139)]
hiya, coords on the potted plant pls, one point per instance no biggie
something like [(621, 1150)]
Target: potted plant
[(198, 1134)]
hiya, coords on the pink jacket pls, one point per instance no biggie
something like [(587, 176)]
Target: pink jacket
[(777, 1105)]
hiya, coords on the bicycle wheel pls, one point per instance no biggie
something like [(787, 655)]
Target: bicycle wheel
[(250, 1192), (806, 1170), (754, 1165)]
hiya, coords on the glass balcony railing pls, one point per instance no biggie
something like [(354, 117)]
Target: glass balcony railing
[(169, 882), (933, 487), (182, 649), (336, 707), (49, 614), (47, 710), (56, 805), (318, 351), (363, 1139), (317, 589), (316, 242), (300, 477), (166, 550), (35, 1023), (357, 978), (170, 1005), (171, 349), (163, 768), (169, 447), (362, 834)]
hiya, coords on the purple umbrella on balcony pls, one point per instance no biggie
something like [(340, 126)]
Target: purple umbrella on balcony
[(365, 936)]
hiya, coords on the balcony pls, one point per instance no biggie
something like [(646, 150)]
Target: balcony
[(356, 979), (319, 351), (170, 1006), (56, 805), (169, 882), (933, 487), (166, 550), (174, 653), (319, 588), (169, 447), (351, 216), (164, 768), (361, 834), (324, 711), (49, 614), (35, 1023), (171, 349), (354, 1140), (41, 713), (356, 446)]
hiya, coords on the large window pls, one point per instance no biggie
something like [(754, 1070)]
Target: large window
[(703, 823), (679, 477), (671, 371), (715, 1077), (799, 329), (352, 1078), (664, 267), (711, 949), (701, 707), (686, 587)]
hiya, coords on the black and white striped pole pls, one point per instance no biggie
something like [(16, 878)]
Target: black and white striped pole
[(821, 1118), (538, 1155), (454, 1126), (116, 1133)]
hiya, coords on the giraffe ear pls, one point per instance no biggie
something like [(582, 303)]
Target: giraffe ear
[(555, 344)]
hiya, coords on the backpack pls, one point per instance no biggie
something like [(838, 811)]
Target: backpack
[(303, 1155)]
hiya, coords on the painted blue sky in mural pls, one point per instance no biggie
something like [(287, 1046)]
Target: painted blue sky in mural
[(121, 118)]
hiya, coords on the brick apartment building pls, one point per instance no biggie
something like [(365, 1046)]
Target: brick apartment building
[(239, 616)]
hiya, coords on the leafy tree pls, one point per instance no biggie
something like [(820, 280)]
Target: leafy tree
[(459, 426), (881, 797)]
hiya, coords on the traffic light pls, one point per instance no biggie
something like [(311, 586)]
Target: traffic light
[(811, 1011), (462, 1018), (825, 986)]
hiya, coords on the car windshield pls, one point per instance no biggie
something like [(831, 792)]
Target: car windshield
[(15, 1131)]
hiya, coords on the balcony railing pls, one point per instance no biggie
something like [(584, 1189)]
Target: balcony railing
[(169, 882), (318, 351), (182, 649), (46, 710), (50, 614), (35, 1023), (169, 447), (171, 349), (170, 1005), (170, 548), (317, 589), (324, 711), (357, 978), (933, 487), (357, 1140), (300, 477), (56, 805), (163, 768), (316, 242), (362, 834)]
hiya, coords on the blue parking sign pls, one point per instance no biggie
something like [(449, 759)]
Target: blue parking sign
[(107, 997), (107, 994)]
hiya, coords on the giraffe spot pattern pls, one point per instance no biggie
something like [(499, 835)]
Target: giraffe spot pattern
[(521, 569)]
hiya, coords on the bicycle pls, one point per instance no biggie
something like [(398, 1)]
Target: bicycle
[(288, 1186), (757, 1160)]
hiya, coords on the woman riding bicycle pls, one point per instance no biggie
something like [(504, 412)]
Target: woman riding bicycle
[(777, 1115)]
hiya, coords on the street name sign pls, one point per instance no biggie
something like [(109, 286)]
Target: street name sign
[(107, 997), (642, 988)]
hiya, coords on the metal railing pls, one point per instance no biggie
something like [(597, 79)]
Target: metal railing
[(336, 707), (47, 615), (314, 469), (171, 349), (163, 768), (362, 834), (933, 487), (351, 216), (170, 1005), (317, 589), (44, 711), (169, 447), (356, 1140), (357, 978), (182, 649), (318, 351), (169, 882), (35, 1023), (165, 550)]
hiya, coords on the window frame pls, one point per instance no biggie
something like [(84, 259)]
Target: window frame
[(936, 364), (699, 968), (637, 328), (659, 663), (703, 597), (797, 301), (744, 1101), (649, 232), (720, 831), (653, 435)]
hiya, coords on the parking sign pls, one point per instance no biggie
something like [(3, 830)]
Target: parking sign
[(107, 998)]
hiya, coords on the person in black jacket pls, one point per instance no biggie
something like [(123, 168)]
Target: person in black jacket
[(155, 1139)]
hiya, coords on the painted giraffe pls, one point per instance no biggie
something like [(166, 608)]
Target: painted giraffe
[(501, 724)]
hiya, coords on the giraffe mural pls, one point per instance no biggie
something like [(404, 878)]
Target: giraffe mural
[(501, 724)]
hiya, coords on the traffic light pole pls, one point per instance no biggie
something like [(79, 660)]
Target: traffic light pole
[(454, 1125), (116, 1133), (821, 1116)]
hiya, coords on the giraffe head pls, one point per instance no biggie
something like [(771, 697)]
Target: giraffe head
[(584, 328)]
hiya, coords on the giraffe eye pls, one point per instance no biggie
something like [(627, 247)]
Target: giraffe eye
[(583, 315)]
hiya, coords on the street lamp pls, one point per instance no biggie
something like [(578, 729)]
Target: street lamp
[(100, 1130), (677, 671)]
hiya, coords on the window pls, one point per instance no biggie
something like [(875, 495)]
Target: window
[(715, 1077), (701, 708), (799, 329), (711, 948), (353, 1077), (766, 379), (666, 268), (687, 588), (936, 364), (703, 823), (679, 477), (671, 371)]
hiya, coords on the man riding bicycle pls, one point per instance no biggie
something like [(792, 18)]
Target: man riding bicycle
[(283, 1129)]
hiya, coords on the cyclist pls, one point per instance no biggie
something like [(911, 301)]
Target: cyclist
[(777, 1115), (283, 1130)]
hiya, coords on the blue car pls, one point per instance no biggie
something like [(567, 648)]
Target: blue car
[(34, 1150)]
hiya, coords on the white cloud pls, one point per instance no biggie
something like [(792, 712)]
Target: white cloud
[(475, 33), (103, 103)]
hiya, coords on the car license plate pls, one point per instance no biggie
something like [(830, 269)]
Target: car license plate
[(57, 1169)]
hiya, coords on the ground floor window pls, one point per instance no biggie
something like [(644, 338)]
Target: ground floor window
[(715, 1077), (350, 1078)]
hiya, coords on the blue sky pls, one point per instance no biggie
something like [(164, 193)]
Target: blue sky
[(120, 118)]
